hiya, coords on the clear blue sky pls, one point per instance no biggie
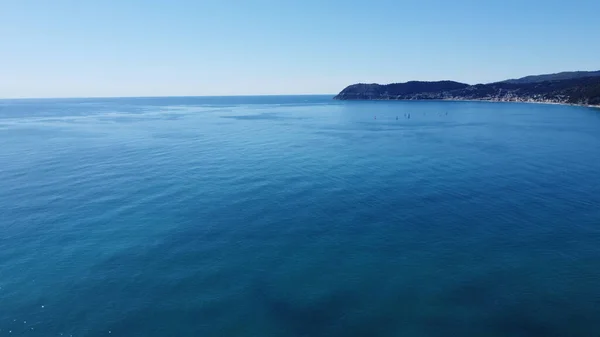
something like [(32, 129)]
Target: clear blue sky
[(85, 48)]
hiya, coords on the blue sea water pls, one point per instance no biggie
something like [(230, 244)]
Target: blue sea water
[(298, 216)]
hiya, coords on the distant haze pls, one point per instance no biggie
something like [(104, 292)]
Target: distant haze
[(68, 48)]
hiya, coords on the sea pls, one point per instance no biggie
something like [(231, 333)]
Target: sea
[(298, 216)]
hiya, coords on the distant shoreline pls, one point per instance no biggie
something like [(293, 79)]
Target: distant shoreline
[(469, 100), (571, 88), (529, 102)]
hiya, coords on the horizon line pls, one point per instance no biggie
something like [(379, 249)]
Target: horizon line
[(273, 95), (160, 96)]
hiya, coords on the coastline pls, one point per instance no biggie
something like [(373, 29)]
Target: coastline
[(576, 91), (473, 100), (529, 102)]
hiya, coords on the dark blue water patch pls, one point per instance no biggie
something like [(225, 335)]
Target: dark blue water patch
[(298, 216), (261, 116), (133, 118)]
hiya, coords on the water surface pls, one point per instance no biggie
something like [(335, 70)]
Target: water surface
[(298, 216)]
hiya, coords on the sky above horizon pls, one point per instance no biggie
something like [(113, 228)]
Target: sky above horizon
[(68, 48)]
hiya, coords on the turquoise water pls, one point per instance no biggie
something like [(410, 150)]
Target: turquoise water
[(298, 216)]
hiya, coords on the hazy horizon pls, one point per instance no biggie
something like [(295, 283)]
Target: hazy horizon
[(68, 49), (256, 95)]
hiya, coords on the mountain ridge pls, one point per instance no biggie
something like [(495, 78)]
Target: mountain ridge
[(573, 89), (564, 75)]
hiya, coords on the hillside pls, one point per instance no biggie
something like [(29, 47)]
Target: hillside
[(566, 75), (376, 91), (583, 91)]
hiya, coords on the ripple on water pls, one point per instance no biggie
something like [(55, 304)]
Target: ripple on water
[(279, 217)]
